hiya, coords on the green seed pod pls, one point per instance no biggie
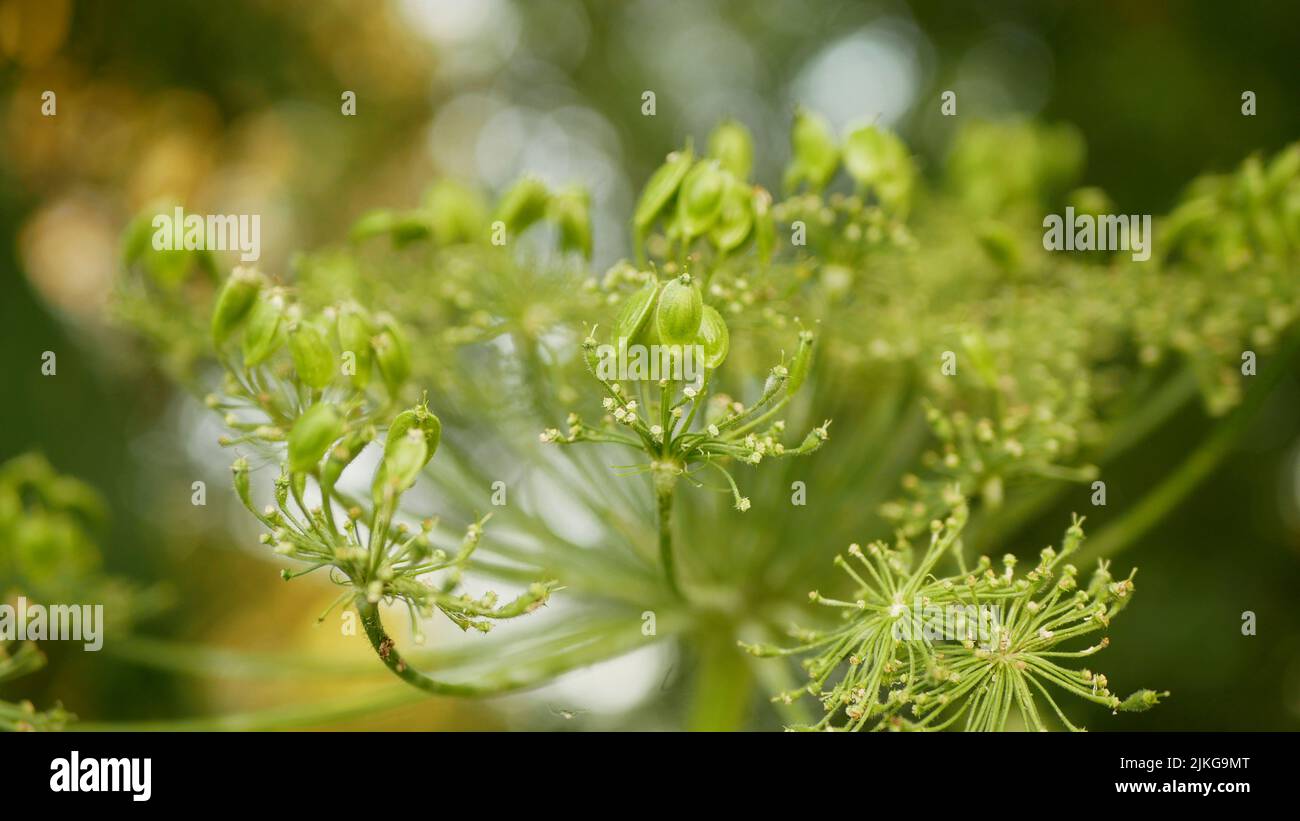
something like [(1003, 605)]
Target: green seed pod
[(235, 301), (417, 418), (732, 146), (764, 224), (457, 213), (714, 337), (318, 428), (403, 460), (343, 454), (524, 204), (392, 354), (571, 211), (264, 332), (735, 219), (312, 357), (815, 156), (354, 331), (802, 361), (661, 187), (677, 318), (700, 200), (635, 314), (878, 160)]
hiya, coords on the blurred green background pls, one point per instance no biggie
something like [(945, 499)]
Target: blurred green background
[(239, 110)]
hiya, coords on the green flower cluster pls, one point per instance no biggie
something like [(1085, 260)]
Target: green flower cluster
[(915, 653)]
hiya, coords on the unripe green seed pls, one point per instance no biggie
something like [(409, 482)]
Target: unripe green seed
[(524, 204), (732, 146), (815, 155), (700, 200), (264, 332), (878, 160), (421, 419), (635, 314), (401, 228), (661, 187), (571, 211), (391, 354), (714, 337), (802, 361), (735, 219), (457, 213), (681, 307), (343, 454), (354, 330), (318, 428), (235, 301), (312, 357), (403, 460)]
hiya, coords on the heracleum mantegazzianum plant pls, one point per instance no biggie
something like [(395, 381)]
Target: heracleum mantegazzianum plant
[(843, 300)]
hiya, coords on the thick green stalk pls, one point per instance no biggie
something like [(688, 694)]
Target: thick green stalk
[(664, 485)]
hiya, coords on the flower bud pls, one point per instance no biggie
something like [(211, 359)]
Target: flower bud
[(677, 318), (571, 210), (524, 204), (661, 187), (714, 337), (700, 200), (732, 146), (318, 428), (354, 332), (1140, 701), (391, 354), (263, 334), (312, 357), (235, 301)]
